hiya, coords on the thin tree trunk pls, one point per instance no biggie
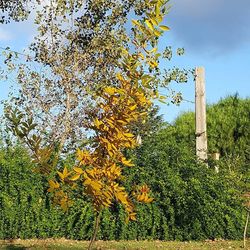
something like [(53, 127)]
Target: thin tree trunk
[(245, 231), (96, 227)]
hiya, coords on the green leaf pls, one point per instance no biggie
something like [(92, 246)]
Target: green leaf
[(162, 101)]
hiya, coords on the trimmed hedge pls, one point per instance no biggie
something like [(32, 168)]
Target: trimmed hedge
[(192, 202)]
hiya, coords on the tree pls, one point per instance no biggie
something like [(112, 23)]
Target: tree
[(104, 92), (228, 133), (16, 10), (83, 57)]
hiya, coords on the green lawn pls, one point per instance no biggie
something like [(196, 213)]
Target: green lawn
[(120, 245)]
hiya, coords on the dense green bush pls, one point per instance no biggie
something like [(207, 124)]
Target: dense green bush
[(192, 201), (228, 130), (23, 204)]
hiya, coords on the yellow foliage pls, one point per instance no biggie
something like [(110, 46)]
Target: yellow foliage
[(127, 162), (83, 156), (53, 185), (143, 194), (75, 177), (97, 123), (78, 170), (118, 106), (64, 174)]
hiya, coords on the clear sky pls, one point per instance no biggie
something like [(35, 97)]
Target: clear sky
[(214, 33)]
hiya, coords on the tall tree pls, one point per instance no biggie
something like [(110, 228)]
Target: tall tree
[(96, 80), (75, 53)]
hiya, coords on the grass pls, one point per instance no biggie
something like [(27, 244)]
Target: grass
[(63, 244)]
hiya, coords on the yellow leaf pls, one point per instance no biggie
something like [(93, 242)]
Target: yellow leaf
[(122, 122), (129, 209), (78, 170), (112, 168), (157, 32), (164, 27), (110, 90), (75, 177), (159, 18), (154, 21), (135, 22), (153, 64), (133, 107), (65, 171), (97, 123), (91, 172), (141, 56), (65, 204), (127, 162), (110, 122), (119, 77), (83, 156), (149, 200), (96, 185), (53, 185), (64, 174), (106, 203), (149, 24), (61, 175), (153, 50), (132, 216), (141, 197), (128, 135), (109, 149), (104, 140), (122, 197), (114, 147), (144, 189), (87, 182), (115, 171)]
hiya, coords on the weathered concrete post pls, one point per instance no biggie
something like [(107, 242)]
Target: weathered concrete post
[(200, 114)]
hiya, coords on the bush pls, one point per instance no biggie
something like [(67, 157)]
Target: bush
[(192, 201), (26, 211)]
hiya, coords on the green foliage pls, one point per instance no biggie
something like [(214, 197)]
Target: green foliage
[(196, 202), (192, 201), (23, 204), (229, 127)]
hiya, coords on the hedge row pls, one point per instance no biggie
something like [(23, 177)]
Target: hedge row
[(192, 202)]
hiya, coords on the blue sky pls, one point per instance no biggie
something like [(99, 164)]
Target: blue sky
[(214, 33)]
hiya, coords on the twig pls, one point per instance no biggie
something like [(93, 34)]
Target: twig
[(96, 227), (245, 230)]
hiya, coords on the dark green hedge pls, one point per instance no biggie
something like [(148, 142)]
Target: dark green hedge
[(192, 202), (23, 203)]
